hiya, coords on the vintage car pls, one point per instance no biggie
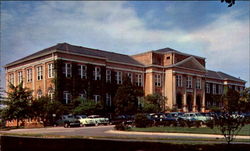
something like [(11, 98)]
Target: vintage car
[(99, 120), (68, 121), (194, 117), (86, 121)]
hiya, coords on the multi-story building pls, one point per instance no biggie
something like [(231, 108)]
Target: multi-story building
[(67, 71)]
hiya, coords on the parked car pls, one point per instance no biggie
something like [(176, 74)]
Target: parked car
[(172, 118), (208, 115), (99, 120), (85, 121), (68, 121), (125, 119), (192, 117)]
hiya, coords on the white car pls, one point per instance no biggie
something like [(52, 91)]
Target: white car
[(194, 117), (85, 121), (99, 120)]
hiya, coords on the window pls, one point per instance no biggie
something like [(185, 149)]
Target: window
[(108, 99), (97, 73), (83, 94), (138, 78), (189, 82), (157, 80), (39, 93), (179, 80), (11, 78), (235, 88), (198, 83), (66, 97), (130, 76), (51, 70), (82, 71), (29, 75), (241, 89), (118, 77), (108, 76), (20, 77), (214, 88), (67, 70), (39, 73), (168, 57), (51, 94), (97, 98), (220, 89)]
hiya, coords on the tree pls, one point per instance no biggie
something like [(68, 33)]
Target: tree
[(230, 2), (126, 98), (245, 100), (155, 102), (84, 106), (18, 103), (229, 122)]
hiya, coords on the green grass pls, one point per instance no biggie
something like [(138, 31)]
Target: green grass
[(202, 130)]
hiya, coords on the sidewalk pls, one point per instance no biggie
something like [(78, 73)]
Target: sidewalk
[(173, 134)]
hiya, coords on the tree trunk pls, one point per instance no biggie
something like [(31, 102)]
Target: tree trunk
[(17, 121)]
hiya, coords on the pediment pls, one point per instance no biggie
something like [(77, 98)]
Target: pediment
[(190, 63)]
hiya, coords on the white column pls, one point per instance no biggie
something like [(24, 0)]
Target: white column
[(203, 101), (185, 100), (174, 91), (194, 102), (33, 79), (44, 81)]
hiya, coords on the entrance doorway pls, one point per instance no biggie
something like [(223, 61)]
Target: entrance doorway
[(179, 101), (189, 103), (198, 103)]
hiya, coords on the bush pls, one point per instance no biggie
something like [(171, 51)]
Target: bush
[(122, 127), (141, 121)]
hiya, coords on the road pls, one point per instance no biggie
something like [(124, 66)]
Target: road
[(108, 132)]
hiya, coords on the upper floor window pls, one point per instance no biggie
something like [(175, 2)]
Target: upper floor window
[(108, 99), (51, 70), (29, 75), (97, 73), (67, 69), (189, 82), (20, 77), (198, 83), (118, 77), (97, 98), (108, 75), (11, 78), (39, 73), (157, 80), (82, 71), (138, 79), (214, 88), (220, 89), (130, 76), (179, 80), (207, 88), (66, 97)]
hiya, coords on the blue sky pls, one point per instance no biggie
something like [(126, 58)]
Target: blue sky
[(207, 29)]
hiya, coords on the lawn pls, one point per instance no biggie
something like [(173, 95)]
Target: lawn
[(202, 130)]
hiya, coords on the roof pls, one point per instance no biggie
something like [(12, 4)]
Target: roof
[(110, 56), (222, 76)]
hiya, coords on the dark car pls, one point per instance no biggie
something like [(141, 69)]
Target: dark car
[(172, 118), (125, 119), (68, 121)]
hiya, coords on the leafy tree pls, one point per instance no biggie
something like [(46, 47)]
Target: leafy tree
[(230, 2), (88, 107), (126, 98), (154, 103), (18, 103), (245, 100)]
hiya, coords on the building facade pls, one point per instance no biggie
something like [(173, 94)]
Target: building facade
[(66, 71)]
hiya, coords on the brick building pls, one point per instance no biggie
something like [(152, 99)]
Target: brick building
[(67, 71)]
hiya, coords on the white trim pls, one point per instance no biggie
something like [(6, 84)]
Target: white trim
[(191, 74), (190, 59), (226, 83), (122, 69), (31, 64), (158, 66), (142, 66), (208, 81), (153, 71), (99, 64)]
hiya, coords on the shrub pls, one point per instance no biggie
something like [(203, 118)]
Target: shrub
[(121, 127), (141, 120)]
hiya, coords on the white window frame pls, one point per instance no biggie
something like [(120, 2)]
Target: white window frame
[(214, 88), (39, 72), (29, 75), (189, 82), (179, 80), (118, 77), (51, 71), (11, 78), (19, 77), (108, 76), (97, 98), (82, 71), (66, 97), (138, 78), (108, 99), (67, 70), (207, 88), (51, 94), (220, 89), (97, 73), (130, 76), (157, 79), (198, 83)]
